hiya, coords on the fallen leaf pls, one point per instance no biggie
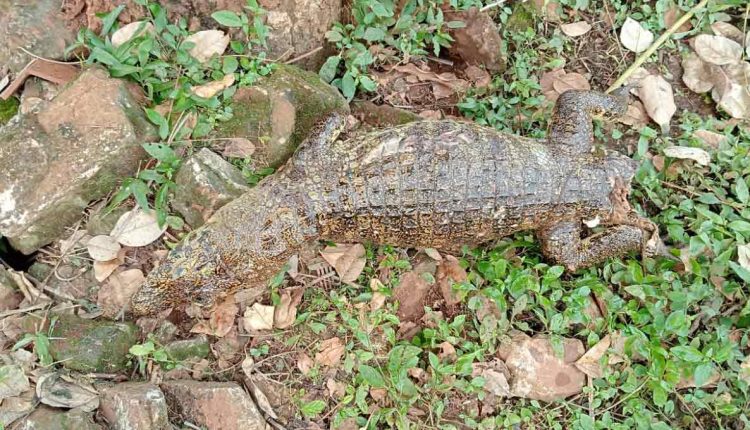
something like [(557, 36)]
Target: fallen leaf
[(137, 228), (698, 75), (129, 31), (238, 147), (286, 311), (689, 382), (103, 248), (258, 317), (221, 319), (658, 100), (496, 383), (433, 253), (547, 83), (14, 408), (634, 36), (590, 362), (672, 15), (331, 351), (102, 269), (248, 365), (743, 256), (710, 138), (449, 272), (635, 116), (479, 77), (410, 294), (729, 31), (336, 389), (115, 294), (571, 81), (447, 79), (548, 9), (76, 240), (60, 391), (347, 260), (636, 78), (207, 44), (378, 298), (304, 363), (745, 370), (717, 50), (576, 29), (734, 90), (215, 87), (447, 352), (698, 155), (431, 114), (13, 381), (261, 400)]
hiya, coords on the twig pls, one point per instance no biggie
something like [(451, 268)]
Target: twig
[(31, 54), (26, 309), (690, 411), (491, 5), (305, 55), (654, 46)]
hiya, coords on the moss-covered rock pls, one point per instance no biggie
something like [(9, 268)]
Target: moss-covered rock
[(8, 109), (278, 112), (92, 346), (46, 418), (192, 350)]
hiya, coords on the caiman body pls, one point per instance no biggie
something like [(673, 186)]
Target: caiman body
[(436, 184)]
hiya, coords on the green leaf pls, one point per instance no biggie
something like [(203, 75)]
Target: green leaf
[(456, 24), (313, 409), (227, 18), (372, 376), (367, 83), (373, 34), (139, 189), (109, 19), (161, 152), (703, 373), (740, 226), (380, 10), (334, 36), (348, 86), (157, 118), (104, 57), (687, 353), (230, 65), (142, 350), (330, 67), (741, 191)]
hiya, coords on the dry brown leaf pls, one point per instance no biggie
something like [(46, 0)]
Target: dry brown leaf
[(137, 228), (496, 382), (102, 269), (698, 155), (212, 88), (130, 31), (261, 400), (13, 381), (745, 370), (331, 351), (571, 81), (207, 44), (304, 363), (710, 138), (248, 365), (672, 15), (734, 90), (347, 260), (479, 77), (636, 77), (410, 294), (698, 75), (447, 79), (658, 100), (635, 116), (547, 83), (336, 389), (743, 256), (449, 272), (238, 147), (258, 317), (634, 36), (286, 311), (689, 382), (590, 362), (729, 31), (431, 114), (447, 352), (378, 298), (717, 50), (61, 391), (221, 319), (576, 29), (548, 8), (115, 294), (103, 248), (433, 253)]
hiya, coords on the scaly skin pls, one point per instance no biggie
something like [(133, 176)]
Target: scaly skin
[(435, 184)]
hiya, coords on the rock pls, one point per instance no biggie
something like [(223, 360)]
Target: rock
[(205, 183), (8, 109), (75, 150), (35, 25), (10, 297), (192, 350), (537, 373), (215, 405), (478, 42), (134, 405), (76, 281), (46, 418), (279, 111), (88, 345), (382, 115), (165, 332)]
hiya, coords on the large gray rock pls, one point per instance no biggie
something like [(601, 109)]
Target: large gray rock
[(75, 150), (205, 183), (46, 418), (213, 405), (134, 406), (278, 112), (35, 25)]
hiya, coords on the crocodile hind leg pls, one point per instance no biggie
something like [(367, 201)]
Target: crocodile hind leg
[(563, 244)]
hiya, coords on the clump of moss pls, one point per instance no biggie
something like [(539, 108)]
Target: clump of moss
[(8, 109)]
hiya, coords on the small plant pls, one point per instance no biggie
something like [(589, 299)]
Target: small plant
[(158, 59), (40, 341), (151, 351)]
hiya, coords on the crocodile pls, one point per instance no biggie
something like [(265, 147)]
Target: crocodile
[(432, 184)]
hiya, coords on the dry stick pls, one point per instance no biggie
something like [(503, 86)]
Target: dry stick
[(654, 46), (305, 55)]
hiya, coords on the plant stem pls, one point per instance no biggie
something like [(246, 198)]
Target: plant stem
[(654, 46)]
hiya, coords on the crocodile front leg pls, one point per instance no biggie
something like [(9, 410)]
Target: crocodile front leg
[(563, 244)]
